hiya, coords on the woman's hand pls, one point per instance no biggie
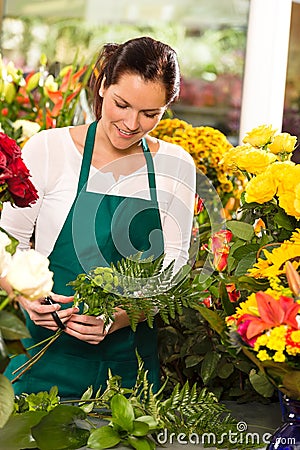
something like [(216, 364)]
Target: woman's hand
[(40, 313), (90, 329)]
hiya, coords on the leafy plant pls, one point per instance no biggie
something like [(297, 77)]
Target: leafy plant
[(136, 417), (139, 286)]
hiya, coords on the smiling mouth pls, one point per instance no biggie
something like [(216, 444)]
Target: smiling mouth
[(127, 133)]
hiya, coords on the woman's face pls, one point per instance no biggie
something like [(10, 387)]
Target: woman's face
[(131, 109)]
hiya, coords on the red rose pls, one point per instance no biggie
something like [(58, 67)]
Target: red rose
[(21, 189), (9, 147), (14, 175)]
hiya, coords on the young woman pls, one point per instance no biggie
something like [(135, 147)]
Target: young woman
[(107, 190)]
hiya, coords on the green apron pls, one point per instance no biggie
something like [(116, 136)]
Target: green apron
[(98, 230)]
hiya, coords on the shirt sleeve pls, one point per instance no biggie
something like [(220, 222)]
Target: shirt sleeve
[(176, 194)]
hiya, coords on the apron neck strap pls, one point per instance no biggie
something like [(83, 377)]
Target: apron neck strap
[(150, 168), (87, 155), (87, 158)]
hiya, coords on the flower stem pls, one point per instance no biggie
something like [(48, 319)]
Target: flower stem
[(28, 364)]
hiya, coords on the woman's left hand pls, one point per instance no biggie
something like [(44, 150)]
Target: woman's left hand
[(86, 328)]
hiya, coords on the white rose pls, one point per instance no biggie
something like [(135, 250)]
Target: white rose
[(29, 274), (5, 256)]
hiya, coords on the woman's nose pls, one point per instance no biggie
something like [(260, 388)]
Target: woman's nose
[(131, 121)]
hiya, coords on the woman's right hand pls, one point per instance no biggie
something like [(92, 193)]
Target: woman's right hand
[(40, 313)]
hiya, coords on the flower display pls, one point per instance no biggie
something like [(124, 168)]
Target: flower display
[(38, 99), (265, 158), (15, 185), (271, 263), (266, 326), (207, 146)]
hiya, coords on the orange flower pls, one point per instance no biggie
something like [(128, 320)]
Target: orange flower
[(220, 248), (272, 313), (232, 292), (199, 205)]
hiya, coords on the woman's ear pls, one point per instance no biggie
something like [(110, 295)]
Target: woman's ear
[(102, 88)]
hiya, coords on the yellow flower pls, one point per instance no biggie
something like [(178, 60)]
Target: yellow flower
[(207, 146), (254, 160), (283, 143), (260, 189), (279, 357), (248, 307), (279, 170), (260, 136), (273, 263), (263, 355)]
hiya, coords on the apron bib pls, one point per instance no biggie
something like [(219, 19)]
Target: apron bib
[(100, 229)]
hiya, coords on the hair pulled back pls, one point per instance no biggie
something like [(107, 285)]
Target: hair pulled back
[(152, 60)]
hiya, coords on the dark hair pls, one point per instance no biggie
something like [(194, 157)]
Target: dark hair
[(150, 59)]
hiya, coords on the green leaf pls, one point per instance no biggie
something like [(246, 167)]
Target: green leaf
[(140, 428), (244, 250), (140, 443), (283, 220), (58, 430), (103, 437), (241, 230), (7, 400), (246, 263), (226, 370), (209, 365), (261, 383), (213, 318), (12, 328), (10, 248), (152, 424), (16, 434), (226, 303), (122, 411), (193, 360)]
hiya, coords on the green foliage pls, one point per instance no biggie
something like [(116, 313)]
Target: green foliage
[(137, 286), (42, 401), (135, 417)]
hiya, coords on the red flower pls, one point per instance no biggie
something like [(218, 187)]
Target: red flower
[(220, 248), (199, 205), (242, 329), (272, 313), (232, 292), (14, 175)]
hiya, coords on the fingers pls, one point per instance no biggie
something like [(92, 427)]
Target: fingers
[(62, 298), (86, 328), (42, 314)]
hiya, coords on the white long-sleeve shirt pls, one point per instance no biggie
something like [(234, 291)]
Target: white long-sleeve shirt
[(54, 163)]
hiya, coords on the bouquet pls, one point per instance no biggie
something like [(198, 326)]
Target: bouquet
[(27, 273), (15, 185), (41, 99), (266, 326)]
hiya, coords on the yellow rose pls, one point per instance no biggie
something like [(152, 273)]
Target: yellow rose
[(254, 160), (297, 198), (229, 159), (280, 170), (289, 191), (283, 143), (289, 198), (260, 136), (260, 189)]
